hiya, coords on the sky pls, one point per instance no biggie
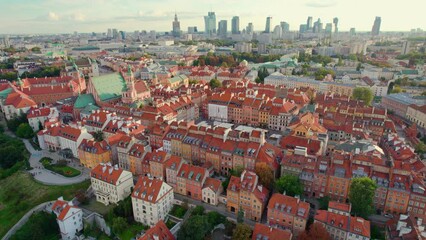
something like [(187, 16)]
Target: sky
[(67, 16)]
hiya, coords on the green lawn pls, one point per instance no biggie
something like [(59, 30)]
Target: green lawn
[(96, 206), (64, 170), (19, 193), (132, 231)]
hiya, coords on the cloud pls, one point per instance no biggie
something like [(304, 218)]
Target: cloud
[(321, 4), (80, 17), (53, 16)]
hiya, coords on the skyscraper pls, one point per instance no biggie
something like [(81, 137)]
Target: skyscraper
[(352, 31), (109, 33), (210, 24), (303, 28), (285, 27), (405, 47), (268, 25), (309, 23), (249, 28), (235, 25), (176, 27), (223, 28), (328, 28), (376, 26), (317, 26), (336, 22)]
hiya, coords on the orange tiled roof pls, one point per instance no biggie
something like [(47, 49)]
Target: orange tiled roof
[(158, 232), (106, 173), (147, 189), (261, 231)]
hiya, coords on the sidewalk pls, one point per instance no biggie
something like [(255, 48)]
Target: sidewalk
[(45, 176)]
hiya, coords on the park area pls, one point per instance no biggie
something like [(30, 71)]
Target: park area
[(60, 167), (20, 192)]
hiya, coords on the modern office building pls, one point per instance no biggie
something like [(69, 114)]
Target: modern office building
[(210, 24), (309, 23), (376, 26), (405, 47), (249, 28), (235, 25), (285, 27), (268, 25), (223, 28)]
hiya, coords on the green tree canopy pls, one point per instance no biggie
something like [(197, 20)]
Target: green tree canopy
[(215, 83), (361, 195), (195, 228), (41, 225), (289, 184), (119, 224), (98, 136), (364, 94), (24, 131), (242, 232), (420, 148)]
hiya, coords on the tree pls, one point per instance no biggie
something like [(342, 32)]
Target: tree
[(24, 131), (215, 218), (195, 228), (324, 202), (81, 196), (198, 210), (119, 224), (265, 173), (316, 232), (364, 94), (242, 232), (98, 136), (361, 195), (396, 89), (41, 225), (214, 83), (240, 215), (420, 148), (289, 184)]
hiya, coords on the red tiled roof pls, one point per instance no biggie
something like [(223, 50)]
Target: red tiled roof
[(19, 100), (212, 183), (289, 205), (147, 189), (94, 147), (106, 173), (158, 232), (339, 206), (192, 172), (260, 231), (70, 133)]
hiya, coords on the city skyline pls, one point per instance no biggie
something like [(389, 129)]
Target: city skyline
[(65, 16)]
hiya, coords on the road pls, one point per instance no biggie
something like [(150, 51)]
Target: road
[(220, 208), (43, 175)]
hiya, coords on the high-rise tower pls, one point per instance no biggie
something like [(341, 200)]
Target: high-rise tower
[(268, 25), (176, 27), (210, 24), (376, 26), (235, 25)]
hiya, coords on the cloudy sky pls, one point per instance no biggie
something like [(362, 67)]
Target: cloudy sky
[(66, 16)]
